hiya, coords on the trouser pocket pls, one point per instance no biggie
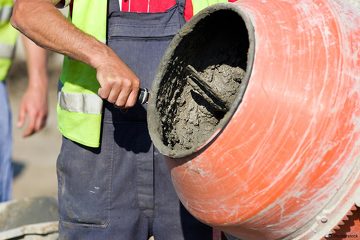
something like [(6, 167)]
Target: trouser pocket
[(84, 178)]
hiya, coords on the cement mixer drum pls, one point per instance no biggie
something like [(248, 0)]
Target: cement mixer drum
[(257, 107)]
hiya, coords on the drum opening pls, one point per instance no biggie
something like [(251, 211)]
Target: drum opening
[(201, 81)]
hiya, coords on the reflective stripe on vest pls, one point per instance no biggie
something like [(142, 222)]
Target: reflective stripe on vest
[(6, 50), (79, 107), (8, 36), (81, 103), (5, 13)]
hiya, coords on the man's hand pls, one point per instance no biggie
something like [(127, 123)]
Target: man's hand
[(34, 104), (33, 110), (119, 84)]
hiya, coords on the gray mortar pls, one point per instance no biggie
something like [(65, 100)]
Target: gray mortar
[(195, 120), (180, 119)]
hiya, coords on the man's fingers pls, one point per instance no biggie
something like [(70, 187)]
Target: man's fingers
[(40, 122), (114, 94), (30, 129), (117, 82), (104, 92), (123, 98), (21, 118), (132, 99)]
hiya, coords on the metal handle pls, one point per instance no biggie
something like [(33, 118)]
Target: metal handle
[(143, 96)]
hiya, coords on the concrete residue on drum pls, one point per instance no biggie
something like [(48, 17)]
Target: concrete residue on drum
[(217, 55)]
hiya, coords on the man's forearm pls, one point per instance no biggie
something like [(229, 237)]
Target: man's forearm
[(46, 26), (42, 22), (34, 104), (36, 59)]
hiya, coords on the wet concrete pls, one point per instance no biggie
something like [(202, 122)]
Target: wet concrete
[(218, 52), (195, 118)]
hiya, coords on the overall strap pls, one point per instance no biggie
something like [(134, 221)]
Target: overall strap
[(181, 4)]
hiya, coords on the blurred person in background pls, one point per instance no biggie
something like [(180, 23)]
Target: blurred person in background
[(34, 106)]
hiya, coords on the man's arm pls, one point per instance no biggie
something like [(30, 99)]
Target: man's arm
[(46, 26), (34, 104)]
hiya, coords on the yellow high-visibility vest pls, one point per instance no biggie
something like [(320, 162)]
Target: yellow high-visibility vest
[(8, 37)]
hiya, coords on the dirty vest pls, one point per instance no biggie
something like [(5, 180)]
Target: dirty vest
[(79, 107), (8, 37)]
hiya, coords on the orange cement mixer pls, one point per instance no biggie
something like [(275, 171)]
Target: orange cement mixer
[(266, 143)]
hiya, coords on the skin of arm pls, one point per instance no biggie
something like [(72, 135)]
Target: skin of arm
[(43, 23), (34, 103)]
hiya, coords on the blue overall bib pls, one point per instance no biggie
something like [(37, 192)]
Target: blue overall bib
[(123, 190)]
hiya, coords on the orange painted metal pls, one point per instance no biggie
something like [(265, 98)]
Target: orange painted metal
[(287, 164)]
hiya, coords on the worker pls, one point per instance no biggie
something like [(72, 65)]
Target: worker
[(113, 183), (33, 106)]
